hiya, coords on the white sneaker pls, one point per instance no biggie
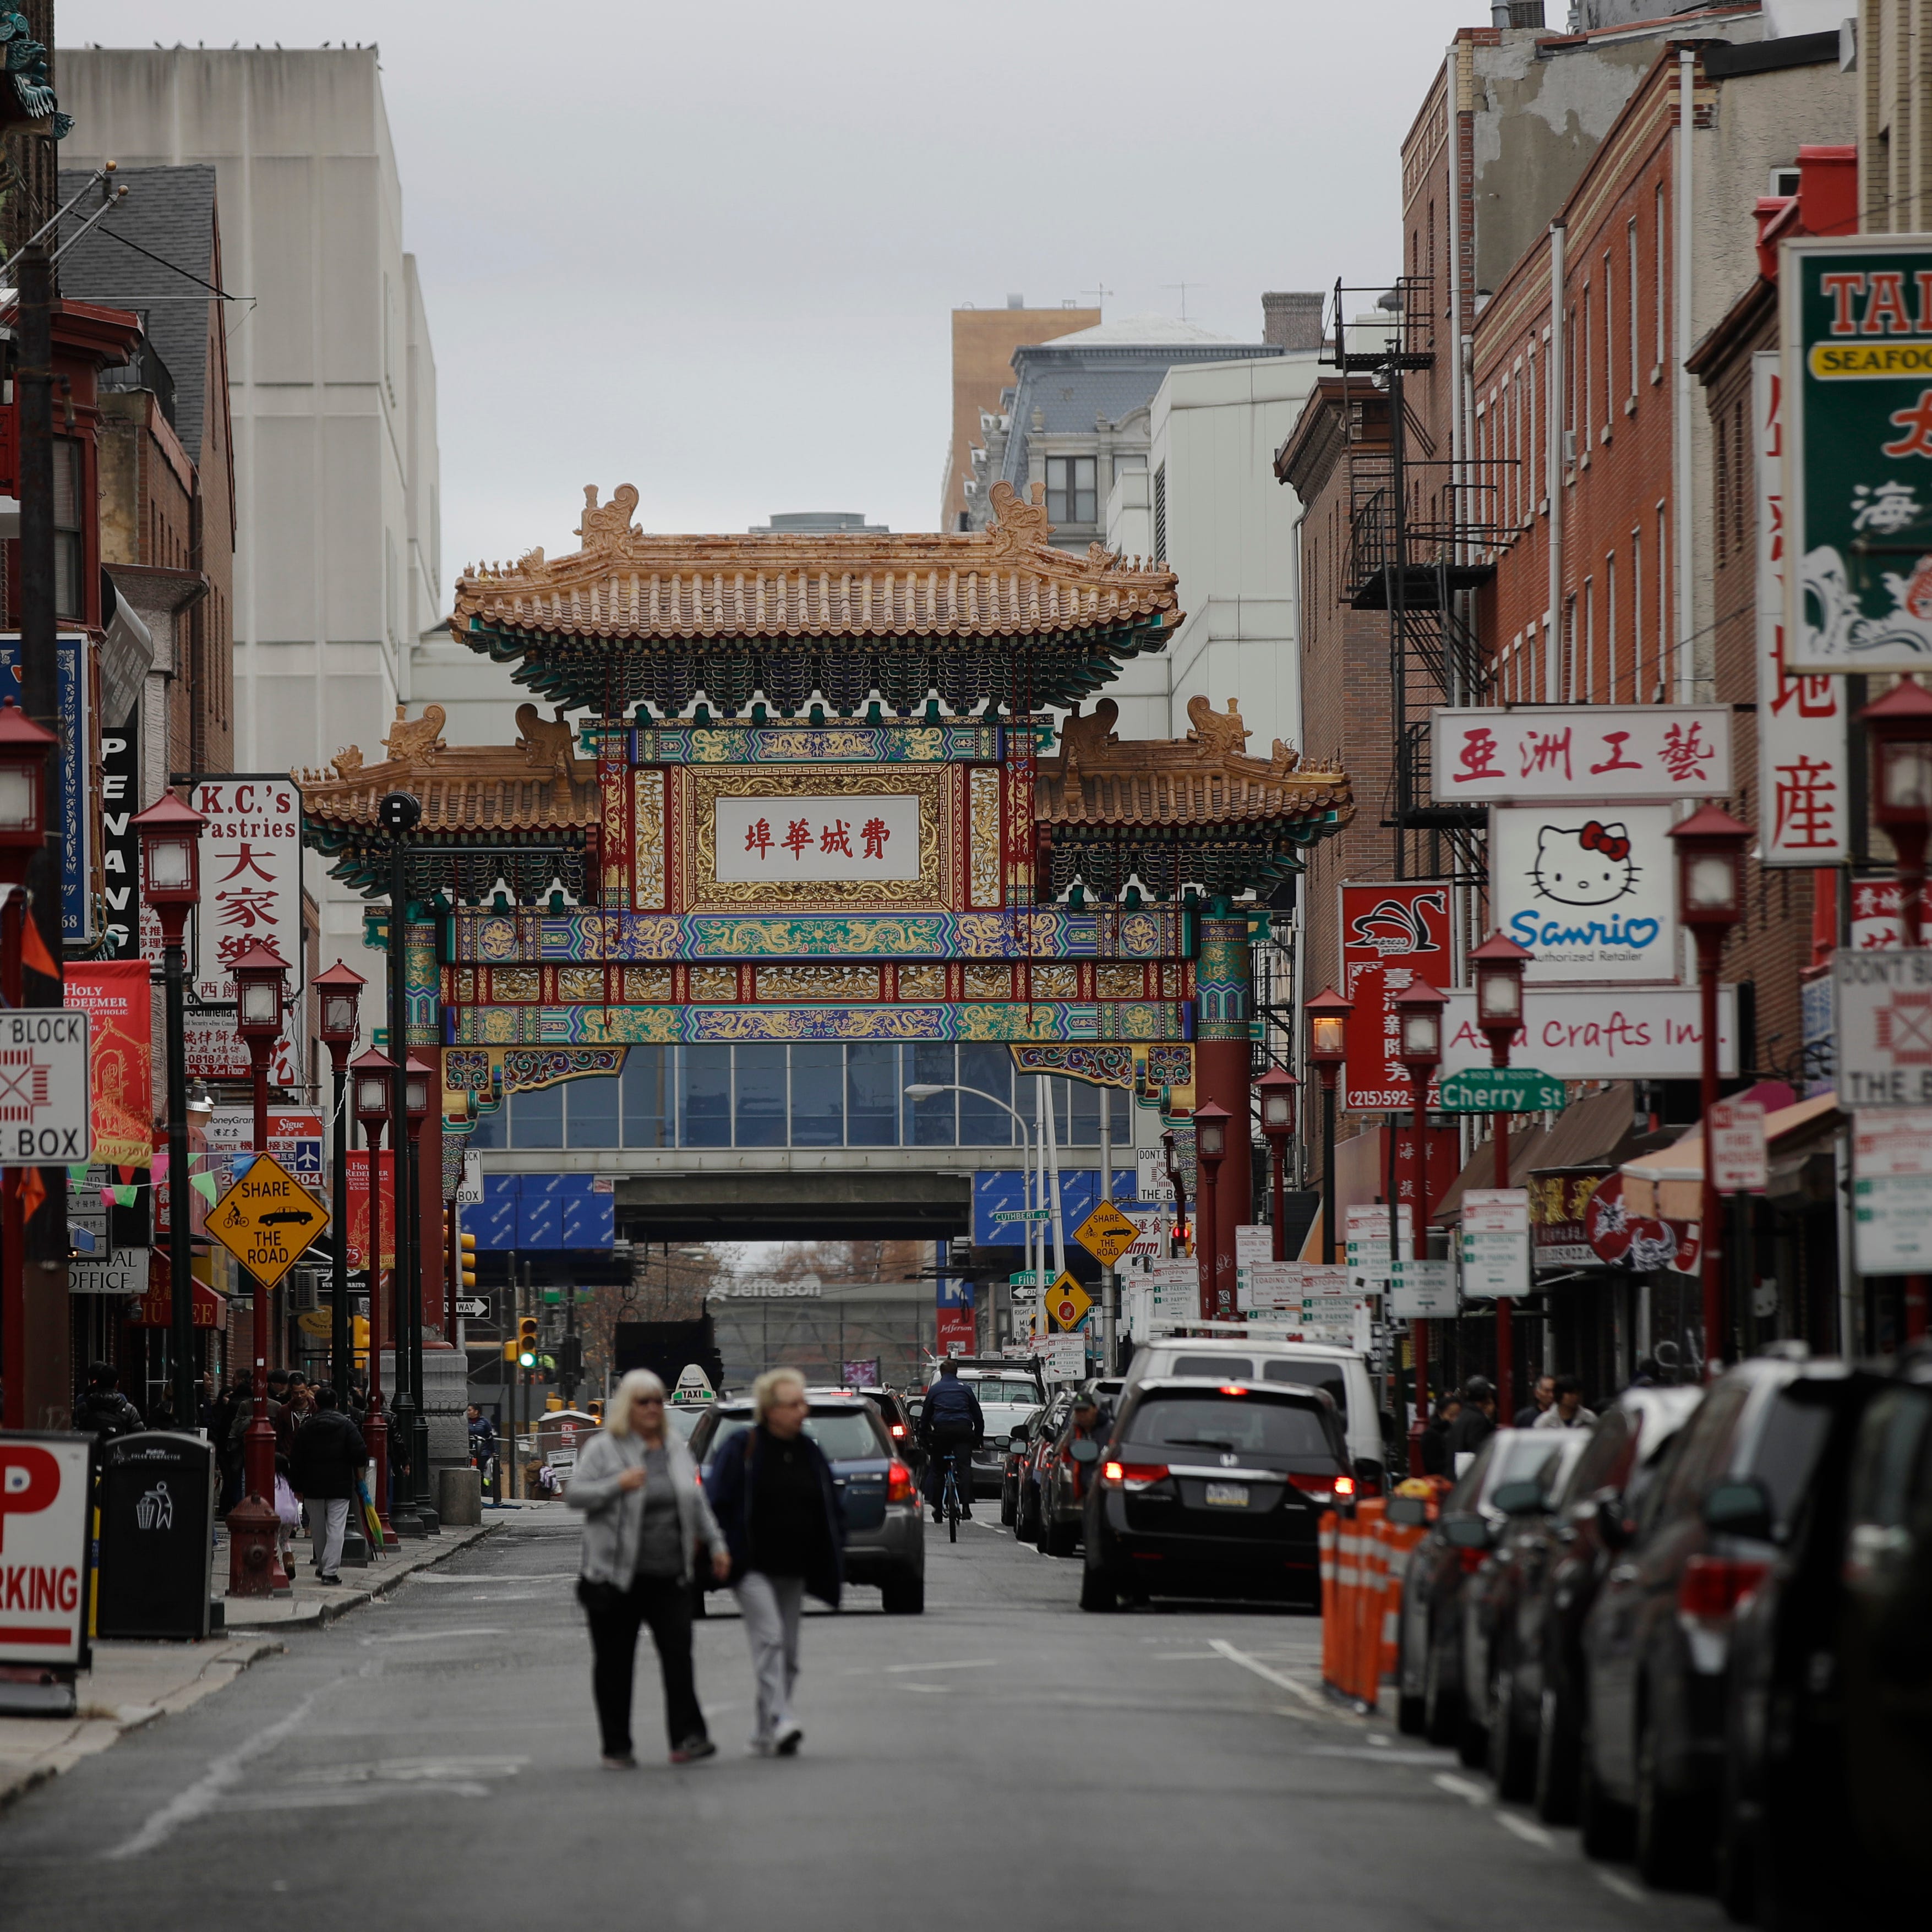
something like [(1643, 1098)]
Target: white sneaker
[(789, 1737)]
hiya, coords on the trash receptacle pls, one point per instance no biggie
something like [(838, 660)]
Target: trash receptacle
[(459, 1500), (157, 1499)]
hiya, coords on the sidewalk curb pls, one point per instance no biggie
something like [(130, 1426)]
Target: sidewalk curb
[(327, 1609)]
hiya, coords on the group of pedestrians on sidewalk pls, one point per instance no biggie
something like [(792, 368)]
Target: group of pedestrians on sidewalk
[(1466, 1419), (767, 1521)]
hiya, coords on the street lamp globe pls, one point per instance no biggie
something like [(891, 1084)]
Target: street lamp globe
[(1710, 870), (1276, 1089), (1210, 1136), (416, 1078), (24, 746), (170, 834), (923, 1089), (1419, 1016), (259, 979), (375, 1075), (1500, 963), (1328, 1032), (339, 990)]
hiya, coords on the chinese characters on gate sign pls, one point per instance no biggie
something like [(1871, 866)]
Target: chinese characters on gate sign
[(1581, 754), (797, 840)]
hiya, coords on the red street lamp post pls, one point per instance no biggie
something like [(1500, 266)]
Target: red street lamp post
[(339, 989), (1710, 901), (24, 746), (1170, 1154), (1419, 1047), (418, 1080), (170, 835), (1328, 1049), (375, 1087), (1210, 1147), (260, 985), (1500, 963), (1276, 1088)]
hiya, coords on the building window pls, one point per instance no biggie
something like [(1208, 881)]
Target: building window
[(1630, 277), (70, 541), (1657, 219), (1070, 497), (1160, 515)]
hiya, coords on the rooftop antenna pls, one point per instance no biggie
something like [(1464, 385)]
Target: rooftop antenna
[(1184, 287), (1100, 294)]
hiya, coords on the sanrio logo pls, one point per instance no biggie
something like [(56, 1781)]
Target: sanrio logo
[(1588, 865)]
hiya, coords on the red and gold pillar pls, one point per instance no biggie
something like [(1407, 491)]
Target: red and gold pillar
[(1223, 1003)]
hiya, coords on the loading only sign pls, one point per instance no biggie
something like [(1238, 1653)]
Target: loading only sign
[(267, 1219), (44, 1087)]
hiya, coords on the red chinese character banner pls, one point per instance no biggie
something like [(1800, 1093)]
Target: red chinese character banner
[(1389, 933), (115, 995), (251, 879), (1801, 769), (1575, 753)]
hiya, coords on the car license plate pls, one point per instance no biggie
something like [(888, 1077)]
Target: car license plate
[(1228, 1495)]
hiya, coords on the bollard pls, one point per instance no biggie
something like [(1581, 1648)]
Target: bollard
[(1331, 1628)]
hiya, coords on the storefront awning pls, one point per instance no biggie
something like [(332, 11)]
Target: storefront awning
[(1590, 1131), (1669, 1184)]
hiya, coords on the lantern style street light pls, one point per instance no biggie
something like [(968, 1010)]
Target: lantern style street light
[(338, 990), (418, 1080), (1900, 726), (1276, 1089), (1710, 901), (374, 1074), (24, 746), (1328, 1050), (1211, 1147), (260, 986), (1500, 964), (1418, 1008), (170, 834)]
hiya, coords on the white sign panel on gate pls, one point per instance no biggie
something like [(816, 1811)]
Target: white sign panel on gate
[(1590, 888), (1891, 1190), (1801, 766), (1599, 1032), (45, 1501), (1884, 1028), (1735, 1147), (250, 854), (1495, 1242), (45, 1118), (840, 838), (1565, 753)]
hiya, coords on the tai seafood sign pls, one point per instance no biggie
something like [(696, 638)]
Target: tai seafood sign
[(1390, 933)]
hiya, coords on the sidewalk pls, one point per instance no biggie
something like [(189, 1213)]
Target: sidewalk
[(133, 1683)]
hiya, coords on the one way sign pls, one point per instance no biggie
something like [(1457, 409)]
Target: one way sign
[(43, 1088)]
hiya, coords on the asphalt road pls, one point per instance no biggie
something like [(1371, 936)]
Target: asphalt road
[(1003, 1761)]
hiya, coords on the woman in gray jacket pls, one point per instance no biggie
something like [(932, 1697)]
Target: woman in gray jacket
[(644, 1516)]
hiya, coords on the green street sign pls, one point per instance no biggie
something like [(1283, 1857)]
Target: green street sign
[(1024, 1278), (1501, 1090)]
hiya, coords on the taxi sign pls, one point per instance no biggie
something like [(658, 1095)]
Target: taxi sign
[(1067, 1302), (267, 1219), (694, 1386), (1106, 1233)]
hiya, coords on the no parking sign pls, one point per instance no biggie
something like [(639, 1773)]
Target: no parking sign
[(45, 1486)]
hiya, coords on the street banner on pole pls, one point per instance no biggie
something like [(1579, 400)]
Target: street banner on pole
[(1578, 754), (46, 1496), (1390, 933), (116, 997), (1801, 767), (1598, 1032), (1495, 1242), (1734, 1145), (1591, 889), (1857, 338), (1891, 1190)]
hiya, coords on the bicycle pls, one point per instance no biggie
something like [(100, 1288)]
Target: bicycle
[(949, 1498)]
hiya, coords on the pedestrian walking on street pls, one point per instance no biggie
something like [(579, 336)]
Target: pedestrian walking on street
[(327, 1458), (646, 1522), (772, 1489), (1569, 1412), (1434, 1444), (1541, 1397), (1476, 1424)]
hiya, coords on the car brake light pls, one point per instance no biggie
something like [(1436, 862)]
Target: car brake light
[(900, 1487), (1132, 1475), (1232, 1388), (1345, 1485), (898, 1429), (1324, 1486), (1712, 1586)]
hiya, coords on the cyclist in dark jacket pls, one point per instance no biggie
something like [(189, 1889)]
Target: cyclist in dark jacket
[(950, 1427)]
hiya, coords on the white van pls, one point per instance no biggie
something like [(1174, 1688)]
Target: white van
[(1233, 1352)]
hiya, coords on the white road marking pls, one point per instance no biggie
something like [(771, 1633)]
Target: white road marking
[(1461, 1787), (962, 1663), (1530, 1834), (938, 1690), (1382, 1756), (208, 1790), (1223, 1647), (437, 1636), (1624, 1888), (1180, 1656)]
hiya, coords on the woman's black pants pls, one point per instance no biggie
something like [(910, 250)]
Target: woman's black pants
[(664, 1604)]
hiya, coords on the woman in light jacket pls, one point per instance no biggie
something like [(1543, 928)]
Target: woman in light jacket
[(644, 1517)]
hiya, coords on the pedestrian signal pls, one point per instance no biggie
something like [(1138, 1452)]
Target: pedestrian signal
[(527, 1342)]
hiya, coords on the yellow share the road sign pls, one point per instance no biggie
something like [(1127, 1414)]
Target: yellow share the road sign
[(1106, 1233), (1067, 1302), (267, 1219)]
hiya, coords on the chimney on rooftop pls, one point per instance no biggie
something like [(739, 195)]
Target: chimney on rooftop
[(1292, 320)]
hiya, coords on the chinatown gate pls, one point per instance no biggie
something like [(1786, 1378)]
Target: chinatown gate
[(796, 831)]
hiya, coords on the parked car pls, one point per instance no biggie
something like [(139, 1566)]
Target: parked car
[(1018, 1442), (1008, 1393), (1040, 1439), (1429, 1654), (1557, 1561), (1341, 1372), (1212, 1488), (1065, 1478), (900, 1423), (1488, 1599), (885, 1541), (1657, 1641), (1828, 1756)]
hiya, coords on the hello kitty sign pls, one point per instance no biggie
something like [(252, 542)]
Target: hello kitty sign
[(1590, 890)]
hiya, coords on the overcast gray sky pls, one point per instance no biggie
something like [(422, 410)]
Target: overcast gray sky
[(711, 250)]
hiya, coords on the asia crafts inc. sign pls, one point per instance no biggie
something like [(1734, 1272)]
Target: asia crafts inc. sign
[(1857, 331), (1391, 932), (1590, 890), (1595, 1033)]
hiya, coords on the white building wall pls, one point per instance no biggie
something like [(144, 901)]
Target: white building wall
[(1231, 539), (332, 380)]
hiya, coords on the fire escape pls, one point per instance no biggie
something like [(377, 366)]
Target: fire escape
[(1421, 542)]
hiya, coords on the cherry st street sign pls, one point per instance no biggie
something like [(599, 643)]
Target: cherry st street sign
[(1884, 1028)]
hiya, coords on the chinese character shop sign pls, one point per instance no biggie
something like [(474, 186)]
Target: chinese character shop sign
[(1580, 754), (1857, 330), (250, 878), (1390, 933), (813, 840)]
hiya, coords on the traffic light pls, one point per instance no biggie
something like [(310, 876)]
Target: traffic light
[(596, 1406), (959, 1253), (465, 1263), (527, 1342)]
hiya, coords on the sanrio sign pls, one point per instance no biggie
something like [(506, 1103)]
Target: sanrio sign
[(1590, 888)]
